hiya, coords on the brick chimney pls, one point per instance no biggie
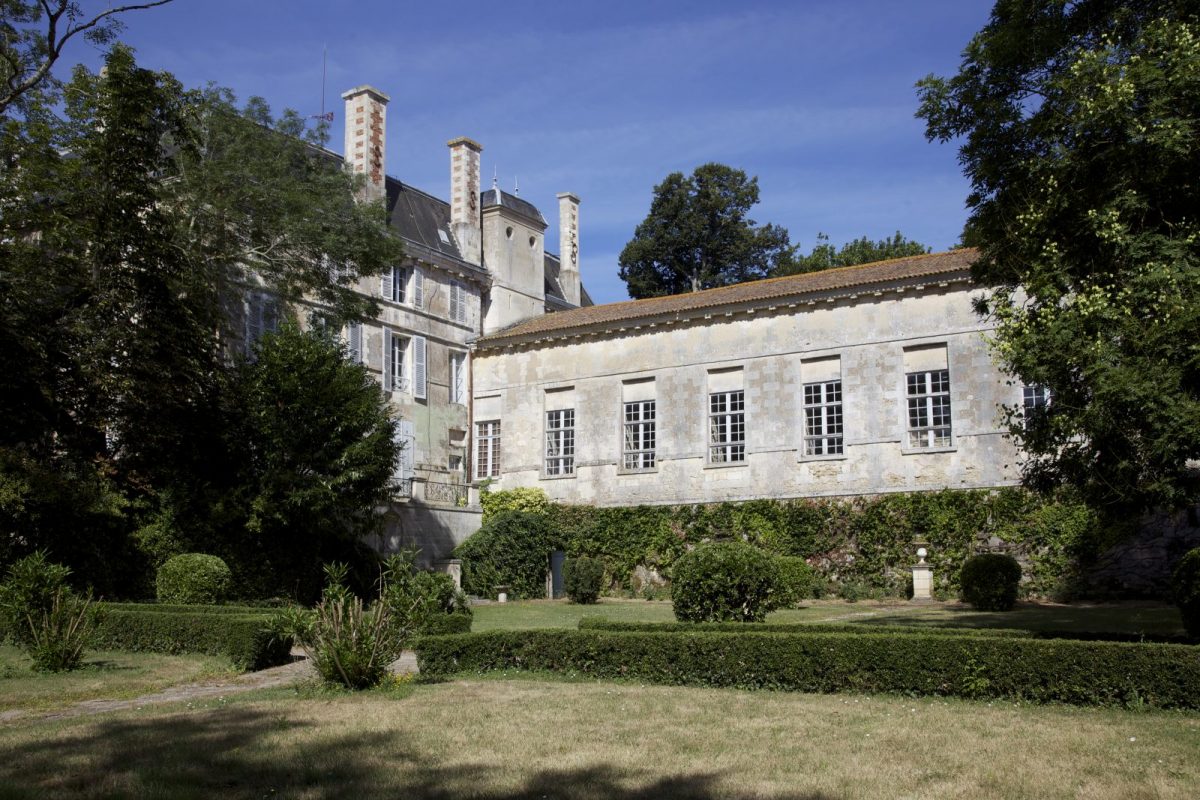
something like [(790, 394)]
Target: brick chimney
[(464, 197), (568, 246), (366, 134)]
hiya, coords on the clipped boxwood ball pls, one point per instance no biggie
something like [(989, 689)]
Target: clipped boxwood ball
[(1185, 586), (193, 578), (989, 581), (724, 581), (583, 578)]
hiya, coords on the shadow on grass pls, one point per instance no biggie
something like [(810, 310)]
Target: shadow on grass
[(239, 752)]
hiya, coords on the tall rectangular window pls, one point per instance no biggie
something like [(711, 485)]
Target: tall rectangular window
[(397, 359), (823, 418), (727, 427), (394, 284), (1035, 400), (262, 317), (354, 342), (458, 378), (639, 435), (929, 408), (487, 449), (560, 442), (458, 302)]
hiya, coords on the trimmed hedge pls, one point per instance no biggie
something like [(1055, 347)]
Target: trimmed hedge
[(583, 578), (193, 578), (990, 581), (1185, 586), (183, 608), (724, 581), (445, 624), (246, 639), (1080, 673)]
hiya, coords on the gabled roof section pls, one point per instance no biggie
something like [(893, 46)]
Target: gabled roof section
[(421, 218), (880, 274), (497, 197)]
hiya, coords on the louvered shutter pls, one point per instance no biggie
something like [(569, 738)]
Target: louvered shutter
[(418, 288), (385, 284), (387, 360), (418, 371), (406, 444), (355, 342)]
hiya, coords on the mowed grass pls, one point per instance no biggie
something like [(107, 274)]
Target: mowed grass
[(1134, 618), (533, 738), (103, 676)]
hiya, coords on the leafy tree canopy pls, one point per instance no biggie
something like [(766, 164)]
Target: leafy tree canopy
[(698, 235), (1078, 123), (860, 251)]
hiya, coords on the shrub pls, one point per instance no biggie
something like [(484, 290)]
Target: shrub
[(797, 581), (583, 578), (724, 581), (512, 549), (193, 578), (1185, 585), (527, 500), (419, 599), (443, 624), (990, 581), (248, 638), (43, 616), (1048, 671)]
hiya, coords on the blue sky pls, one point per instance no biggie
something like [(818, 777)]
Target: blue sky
[(604, 99)]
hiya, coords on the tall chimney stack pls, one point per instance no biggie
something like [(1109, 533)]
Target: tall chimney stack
[(568, 246), (366, 134), (464, 197)]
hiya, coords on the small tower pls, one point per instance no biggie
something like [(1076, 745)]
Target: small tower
[(568, 246)]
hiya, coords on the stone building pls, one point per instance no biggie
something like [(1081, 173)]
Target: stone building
[(853, 381)]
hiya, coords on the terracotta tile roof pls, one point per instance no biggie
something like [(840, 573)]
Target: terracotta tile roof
[(864, 275)]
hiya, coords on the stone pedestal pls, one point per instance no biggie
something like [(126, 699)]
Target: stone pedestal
[(922, 575), (502, 594)]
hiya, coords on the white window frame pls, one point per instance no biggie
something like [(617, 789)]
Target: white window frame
[(824, 424), (560, 442), (393, 285), (487, 449), (727, 427), (262, 311), (1035, 398), (639, 435), (399, 362), (929, 414), (458, 377)]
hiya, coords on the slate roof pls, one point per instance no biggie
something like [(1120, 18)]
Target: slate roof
[(879, 274), (418, 217), (497, 197)]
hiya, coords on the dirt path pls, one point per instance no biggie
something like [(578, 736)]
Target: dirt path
[(263, 679)]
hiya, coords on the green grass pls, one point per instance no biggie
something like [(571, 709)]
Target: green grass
[(103, 676), (1138, 618), (531, 738)]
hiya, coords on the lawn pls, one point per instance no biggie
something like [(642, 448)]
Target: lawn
[(1110, 618), (104, 675), (536, 738)]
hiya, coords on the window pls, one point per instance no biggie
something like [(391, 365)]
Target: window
[(727, 427), (458, 302), (639, 435), (929, 408), (560, 442), (262, 316), (458, 378), (394, 285), (487, 454), (396, 364), (354, 342), (1036, 399), (823, 418)]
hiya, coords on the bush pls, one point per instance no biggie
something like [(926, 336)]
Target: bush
[(512, 549), (443, 624), (420, 600), (582, 579), (724, 581), (193, 578), (1185, 585), (43, 616), (990, 580), (249, 640), (797, 581), (1047, 671)]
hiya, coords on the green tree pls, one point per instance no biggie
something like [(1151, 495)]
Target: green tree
[(1078, 124), (317, 447), (698, 236), (859, 251)]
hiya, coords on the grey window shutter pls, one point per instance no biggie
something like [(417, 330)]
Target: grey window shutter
[(385, 284), (406, 444), (418, 372), (355, 345), (387, 360), (418, 288)]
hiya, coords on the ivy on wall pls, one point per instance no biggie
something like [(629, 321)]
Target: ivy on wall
[(863, 544)]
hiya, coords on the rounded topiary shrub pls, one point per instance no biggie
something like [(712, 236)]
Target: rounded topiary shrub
[(724, 581), (583, 578), (797, 581), (989, 581), (1185, 585), (193, 578)]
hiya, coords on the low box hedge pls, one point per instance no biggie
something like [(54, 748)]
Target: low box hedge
[(176, 608), (604, 624), (443, 624), (1080, 673), (245, 638)]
